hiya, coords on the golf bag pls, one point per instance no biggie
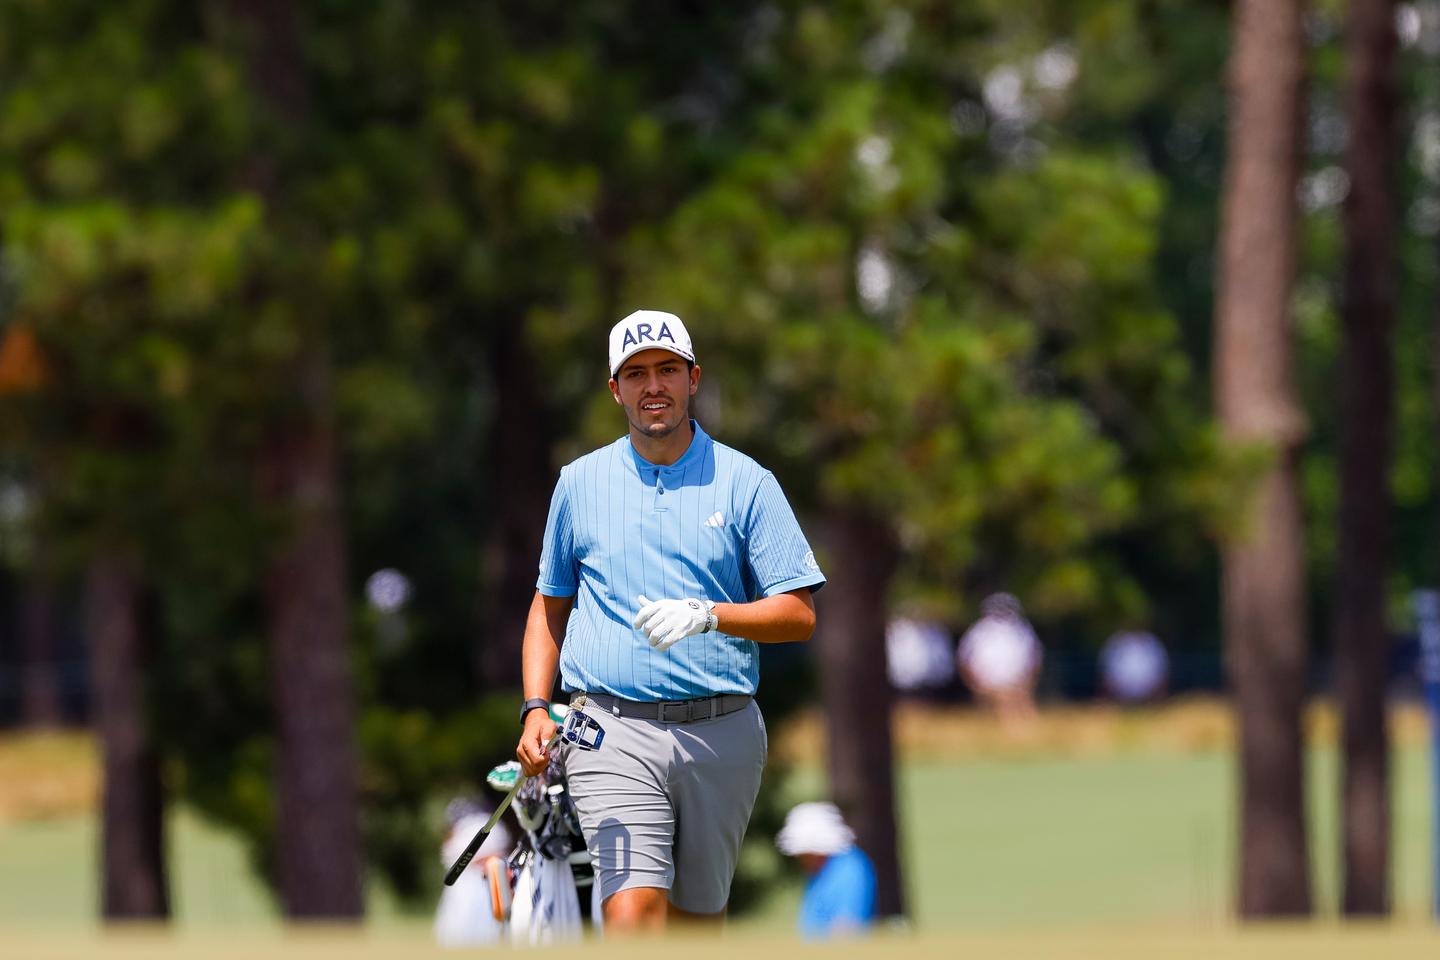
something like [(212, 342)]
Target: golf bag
[(539, 889)]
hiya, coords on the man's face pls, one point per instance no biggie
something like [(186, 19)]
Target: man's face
[(811, 862), (654, 387)]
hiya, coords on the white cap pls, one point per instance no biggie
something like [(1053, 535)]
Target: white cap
[(814, 828), (648, 330)]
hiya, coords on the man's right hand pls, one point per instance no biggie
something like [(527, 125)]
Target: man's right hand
[(531, 752)]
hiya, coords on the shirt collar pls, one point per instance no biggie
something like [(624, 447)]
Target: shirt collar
[(698, 444)]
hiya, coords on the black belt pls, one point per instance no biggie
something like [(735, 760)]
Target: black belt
[(666, 711)]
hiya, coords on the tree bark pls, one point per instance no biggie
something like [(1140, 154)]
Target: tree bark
[(856, 690), (318, 831), (522, 480), (40, 704), (132, 856), (1367, 316), (318, 825), (1263, 576)]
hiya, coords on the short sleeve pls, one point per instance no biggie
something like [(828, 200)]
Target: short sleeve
[(559, 576), (778, 554)]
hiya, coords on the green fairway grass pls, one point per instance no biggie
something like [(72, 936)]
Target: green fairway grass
[(1129, 838), (1125, 840)]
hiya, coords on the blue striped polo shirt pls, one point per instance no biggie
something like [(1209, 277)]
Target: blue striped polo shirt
[(713, 525)]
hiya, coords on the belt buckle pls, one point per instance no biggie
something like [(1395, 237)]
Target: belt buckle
[(684, 711)]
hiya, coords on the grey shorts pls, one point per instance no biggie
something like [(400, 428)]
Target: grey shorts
[(666, 804)]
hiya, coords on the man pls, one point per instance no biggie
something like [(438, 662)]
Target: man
[(839, 897), (999, 659), (667, 558)]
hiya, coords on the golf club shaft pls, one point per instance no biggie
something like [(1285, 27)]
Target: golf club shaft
[(468, 854)]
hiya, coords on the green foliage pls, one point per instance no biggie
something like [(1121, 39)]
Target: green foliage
[(170, 301), (458, 173), (1009, 388)]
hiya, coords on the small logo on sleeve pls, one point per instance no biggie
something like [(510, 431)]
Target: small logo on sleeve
[(717, 519), (810, 563)]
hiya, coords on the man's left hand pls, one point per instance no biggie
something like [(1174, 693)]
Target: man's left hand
[(666, 622)]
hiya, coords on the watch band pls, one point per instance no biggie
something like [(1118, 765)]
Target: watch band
[(712, 622), (534, 703)]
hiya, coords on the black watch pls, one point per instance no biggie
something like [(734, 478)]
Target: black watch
[(534, 703)]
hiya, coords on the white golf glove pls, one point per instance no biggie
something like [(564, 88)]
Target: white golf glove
[(666, 622)]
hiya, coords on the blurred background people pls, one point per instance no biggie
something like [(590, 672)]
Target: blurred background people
[(839, 897), (919, 656), (1134, 667), (999, 658), (465, 915)]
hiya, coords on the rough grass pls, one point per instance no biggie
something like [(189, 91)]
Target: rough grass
[(47, 775), (56, 774), (1183, 725)]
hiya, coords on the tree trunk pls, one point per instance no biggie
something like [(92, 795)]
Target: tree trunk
[(856, 690), (318, 820), (1263, 577), (521, 483), (133, 881), (318, 832), (1367, 314), (40, 706)]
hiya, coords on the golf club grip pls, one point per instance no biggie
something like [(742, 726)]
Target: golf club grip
[(473, 847), (463, 861), (468, 854)]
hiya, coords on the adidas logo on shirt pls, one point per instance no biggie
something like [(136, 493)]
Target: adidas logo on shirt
[(717, 519)]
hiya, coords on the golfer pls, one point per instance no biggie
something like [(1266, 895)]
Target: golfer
[(667, 558)]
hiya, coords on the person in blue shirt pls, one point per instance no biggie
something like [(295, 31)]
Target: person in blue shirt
[(667, 558), (840, 894)]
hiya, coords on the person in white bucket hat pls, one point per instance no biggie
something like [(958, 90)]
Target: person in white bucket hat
[(668, 557), (840, 894)]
